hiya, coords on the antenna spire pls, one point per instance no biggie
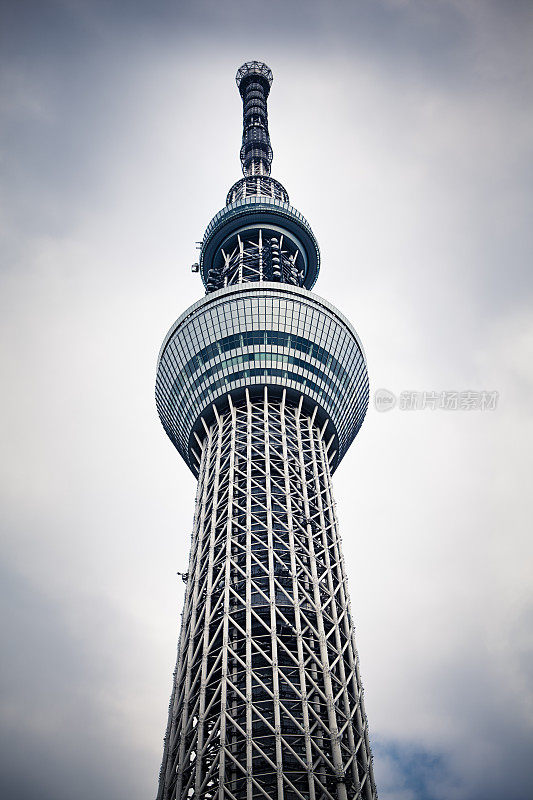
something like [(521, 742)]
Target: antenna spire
[(254, 80)]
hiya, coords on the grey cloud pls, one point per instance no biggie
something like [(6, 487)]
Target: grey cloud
[(62, 726), (414, 172)]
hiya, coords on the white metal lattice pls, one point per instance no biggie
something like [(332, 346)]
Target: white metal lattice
[(267, 698)]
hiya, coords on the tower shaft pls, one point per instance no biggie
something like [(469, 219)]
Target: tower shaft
[(267, 698)]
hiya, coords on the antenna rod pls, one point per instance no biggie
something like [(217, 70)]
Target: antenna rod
[(254, 80)]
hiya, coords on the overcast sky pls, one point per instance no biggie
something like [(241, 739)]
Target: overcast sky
[(403, 131)]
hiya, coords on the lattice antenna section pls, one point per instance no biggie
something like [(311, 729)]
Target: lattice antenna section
[(254, 80), (267, 699)]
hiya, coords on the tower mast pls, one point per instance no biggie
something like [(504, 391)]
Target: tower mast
[(262, 386)]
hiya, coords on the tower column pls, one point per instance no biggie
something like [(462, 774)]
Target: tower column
[(261, 632)]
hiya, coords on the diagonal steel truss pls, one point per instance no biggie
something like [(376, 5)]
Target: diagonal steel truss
[(267, 698), (259, 257)]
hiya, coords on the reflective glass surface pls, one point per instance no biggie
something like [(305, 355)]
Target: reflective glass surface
[(261, 335)]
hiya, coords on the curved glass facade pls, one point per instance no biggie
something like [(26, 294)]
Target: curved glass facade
[(261, 335)]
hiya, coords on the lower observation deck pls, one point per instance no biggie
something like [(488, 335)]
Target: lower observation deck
[(254, 335)]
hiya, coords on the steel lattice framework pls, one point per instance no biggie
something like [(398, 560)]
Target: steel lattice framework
[(262, 387)]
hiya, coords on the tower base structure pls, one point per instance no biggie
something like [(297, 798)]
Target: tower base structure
[(267, 699)]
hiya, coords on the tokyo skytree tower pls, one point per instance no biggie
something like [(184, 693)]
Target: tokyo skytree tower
[(262, 386)]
